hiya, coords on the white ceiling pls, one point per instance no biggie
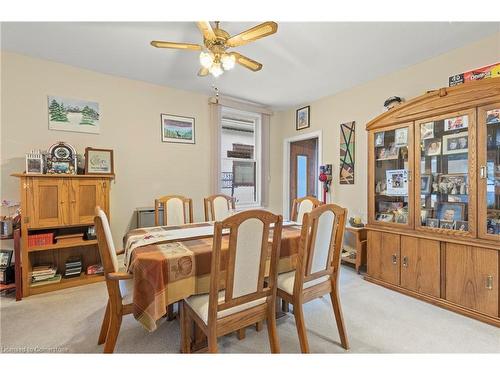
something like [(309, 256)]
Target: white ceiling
[(302, 62)]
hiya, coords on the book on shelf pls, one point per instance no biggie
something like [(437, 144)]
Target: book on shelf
[(95, 269), (43, 272), (52, 280)]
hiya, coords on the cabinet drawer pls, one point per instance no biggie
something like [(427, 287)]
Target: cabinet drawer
[(472, 278)]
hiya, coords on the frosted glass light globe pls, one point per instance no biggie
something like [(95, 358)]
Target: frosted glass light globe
[(228, 62), (206, 59), (216, 70)]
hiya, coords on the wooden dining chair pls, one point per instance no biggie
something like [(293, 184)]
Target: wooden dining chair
[(302, 205), (241, 269), (174, 210), (318, 267), (119, 284), (218, 207)]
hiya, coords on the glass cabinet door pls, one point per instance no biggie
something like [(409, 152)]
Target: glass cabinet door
[(489, 172), (445, 173), (391, 188)]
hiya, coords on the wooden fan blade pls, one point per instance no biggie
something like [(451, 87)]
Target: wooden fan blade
[(257, 32), (202, 72), (247, 62), (161, 44), (206, 30)]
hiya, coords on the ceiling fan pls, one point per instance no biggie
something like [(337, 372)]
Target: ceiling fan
[(214, 57)]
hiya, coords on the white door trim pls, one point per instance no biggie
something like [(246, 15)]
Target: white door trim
[(286, 165)]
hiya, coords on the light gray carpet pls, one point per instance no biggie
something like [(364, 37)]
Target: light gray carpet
[(378, 321)]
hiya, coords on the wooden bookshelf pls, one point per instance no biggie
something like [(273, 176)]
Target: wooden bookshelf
[(59, 204)]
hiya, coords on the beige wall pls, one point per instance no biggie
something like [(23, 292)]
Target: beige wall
[(130, 125), (361, 104)]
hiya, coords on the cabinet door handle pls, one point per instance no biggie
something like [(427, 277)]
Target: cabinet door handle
[(405, 261), (483, 173), (489, 282), (394, 259)]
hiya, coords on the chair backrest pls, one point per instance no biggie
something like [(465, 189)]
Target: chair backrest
[(302, 205), (320, 244), (245, 260), (105, 241), (218, 207), (174, 210)]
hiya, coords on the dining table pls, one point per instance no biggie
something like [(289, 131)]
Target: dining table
[(171, 263)]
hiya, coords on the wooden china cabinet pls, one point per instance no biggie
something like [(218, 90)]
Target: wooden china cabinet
[(434, 199), (60, 205)]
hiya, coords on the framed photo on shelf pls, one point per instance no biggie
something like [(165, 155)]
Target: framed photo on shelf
[(432, 223), (388, 153), (456, 123), (385, 206), (493, 116), (449, 211), (446, 224), (427, 130), (401, 137), (34, 162), (433, 147), (462, 225), (177, 129), (425, 213), (425, 183), (385, 217), (379, 139), (397, 182), (303, 118), (401, 216), (456, 143), (452, 184), (5, 258), (99, 161)]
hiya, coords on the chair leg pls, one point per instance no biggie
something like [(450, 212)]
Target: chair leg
[(337, 310), (212, 342), (104, 326), (284, 306), (186, 328), (301, 327), (272, 330), (170, 312), (241, 333), (114, 328), (259, 326)]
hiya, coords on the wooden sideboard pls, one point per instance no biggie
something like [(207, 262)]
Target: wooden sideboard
[(434, 199), (61, 204)]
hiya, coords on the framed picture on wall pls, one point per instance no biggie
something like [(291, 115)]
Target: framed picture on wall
[(177, 129), (99, 161), (303, 118)]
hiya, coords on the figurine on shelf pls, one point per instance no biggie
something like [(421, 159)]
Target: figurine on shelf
[(435, 186), (378, 187), (454, 189)]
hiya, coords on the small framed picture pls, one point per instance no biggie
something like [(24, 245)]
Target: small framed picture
[(427, 130), (99, 161), (433, 147), (385, 217), (379, 139), (450, 211), (462, 225), (5, 258), (303, 118), (432, 223), (456, 143), (425, 183), (177, 129), (446, 224), (397, 182), (425, 213), (456, 123), (387, 153), (34, 162), (401, 137), (493, 116)]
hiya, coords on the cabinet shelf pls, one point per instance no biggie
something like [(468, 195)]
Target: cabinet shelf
[(66, 283), (56, 246)]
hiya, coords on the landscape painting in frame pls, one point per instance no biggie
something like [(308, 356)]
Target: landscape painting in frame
[(177, 129), (347, 138), (73, 115)]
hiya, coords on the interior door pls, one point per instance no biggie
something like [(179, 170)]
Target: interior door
[(472, 277), (383, 256), (303, 168), (48, 200), (85, 195), (420, 265)]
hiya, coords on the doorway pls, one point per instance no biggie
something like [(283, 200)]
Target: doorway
[(302, 158)]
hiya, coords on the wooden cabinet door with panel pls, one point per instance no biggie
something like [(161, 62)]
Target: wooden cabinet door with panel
[(472, 277), (420, 265), (85, 195), (383, 256), (47, 202)]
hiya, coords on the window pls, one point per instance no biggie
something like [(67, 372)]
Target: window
[(241, 156)]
